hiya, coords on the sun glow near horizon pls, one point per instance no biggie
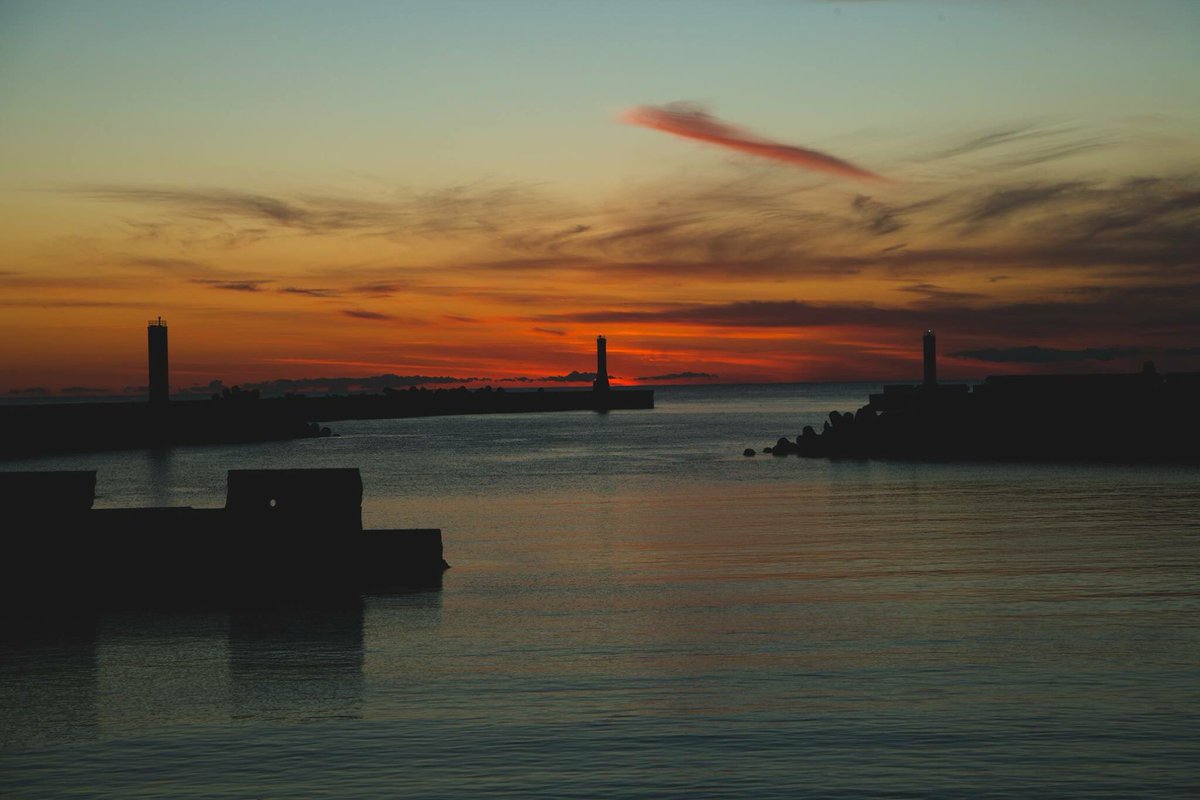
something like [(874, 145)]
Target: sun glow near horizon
[(304, 195)]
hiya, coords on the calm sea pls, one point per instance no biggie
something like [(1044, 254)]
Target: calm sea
[(637, 610)]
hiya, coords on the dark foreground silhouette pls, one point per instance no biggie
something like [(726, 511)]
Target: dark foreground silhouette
[(293, 533), (1140, 417)]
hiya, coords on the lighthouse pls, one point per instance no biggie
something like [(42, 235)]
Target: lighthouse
[(601, 382), (930, 358), (156, 340)]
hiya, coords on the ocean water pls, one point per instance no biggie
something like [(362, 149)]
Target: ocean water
[(636, 610)]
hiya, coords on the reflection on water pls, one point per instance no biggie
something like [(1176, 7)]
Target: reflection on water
[(48, 680), (123, 671), (302, 663), (636, 610), (161, 667)]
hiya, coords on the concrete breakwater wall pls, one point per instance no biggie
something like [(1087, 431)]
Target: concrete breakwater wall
[(1140, 417), (27, 430), (293, 533)]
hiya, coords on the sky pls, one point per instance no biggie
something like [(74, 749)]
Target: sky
[(733, 192)]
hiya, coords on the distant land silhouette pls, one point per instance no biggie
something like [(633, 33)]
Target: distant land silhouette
[(1139, 417)]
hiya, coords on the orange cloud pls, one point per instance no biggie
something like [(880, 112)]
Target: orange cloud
[(696, 124)]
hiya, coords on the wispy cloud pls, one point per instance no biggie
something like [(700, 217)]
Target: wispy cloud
[(1004, 202), (233, 286), (570, 377), (185, 266), (879, 217), (474, 209), (749, 231), (66, 303), (369, 383), (340, 384), (309, 292), (755, 226), (694, 123), (1005, 257), (1032, 354), (215, 203), (359, 313), (676, 376), (1025, 145), (381, 289), (930, 292), (1040, 320)]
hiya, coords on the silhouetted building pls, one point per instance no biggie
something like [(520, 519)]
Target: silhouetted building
[(601, 382), (156, 339), (930, 342)]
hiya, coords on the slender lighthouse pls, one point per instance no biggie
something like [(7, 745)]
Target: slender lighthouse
[(156, 339), (930, 342), (601, 382)]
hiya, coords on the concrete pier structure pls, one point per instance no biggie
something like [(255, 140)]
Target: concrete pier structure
[(291, 534)]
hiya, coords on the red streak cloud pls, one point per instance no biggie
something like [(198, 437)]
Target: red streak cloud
[(695, 124)]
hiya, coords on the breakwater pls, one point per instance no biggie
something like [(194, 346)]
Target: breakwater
[(30, 430), (1138, 417), (291, 533)]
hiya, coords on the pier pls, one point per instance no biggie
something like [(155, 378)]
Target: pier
[(292, 533), (1137, 417), (232, 417)]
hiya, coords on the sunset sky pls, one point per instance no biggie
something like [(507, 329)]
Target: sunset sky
[(478, 189)]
